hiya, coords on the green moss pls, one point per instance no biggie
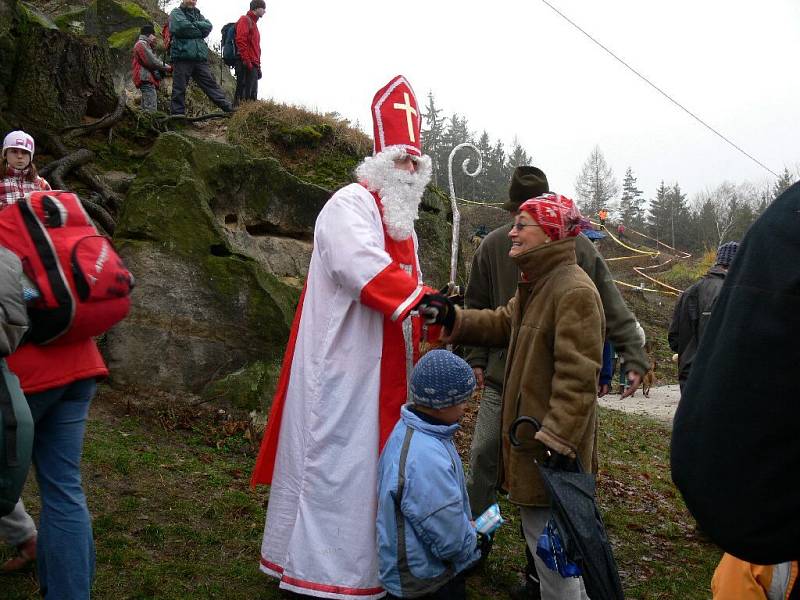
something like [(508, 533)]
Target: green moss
[(434, 235), (123, 40), (33, 16), (71, 21), (249, 388), (169, 204), (134, 10), (321, 149)]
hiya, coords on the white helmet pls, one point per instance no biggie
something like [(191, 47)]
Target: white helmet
[(18, 139)]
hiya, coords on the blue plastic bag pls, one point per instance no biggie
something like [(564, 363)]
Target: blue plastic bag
[(551, 550)]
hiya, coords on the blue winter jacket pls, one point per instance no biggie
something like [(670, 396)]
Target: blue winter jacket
[(425, 536)]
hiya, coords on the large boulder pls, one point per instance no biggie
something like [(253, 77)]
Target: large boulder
[(199, 228)]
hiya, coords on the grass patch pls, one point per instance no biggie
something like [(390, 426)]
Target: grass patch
[(174, 516), (320, 148)]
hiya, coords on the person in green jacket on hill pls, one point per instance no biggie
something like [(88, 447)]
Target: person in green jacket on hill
[(188, 29), (492, 283)]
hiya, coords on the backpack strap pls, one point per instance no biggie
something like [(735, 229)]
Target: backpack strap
[(9, 424)]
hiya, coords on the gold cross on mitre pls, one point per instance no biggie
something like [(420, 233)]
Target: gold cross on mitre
[(409, 111)]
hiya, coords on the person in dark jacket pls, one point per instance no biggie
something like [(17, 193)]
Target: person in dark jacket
[(735, 450), (248, 48), (693, 309), (147, 69), (188, 29)]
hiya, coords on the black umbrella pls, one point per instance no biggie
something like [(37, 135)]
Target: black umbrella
[(572, 501)]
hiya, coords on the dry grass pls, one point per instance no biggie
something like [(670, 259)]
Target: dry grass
[(322, 148)]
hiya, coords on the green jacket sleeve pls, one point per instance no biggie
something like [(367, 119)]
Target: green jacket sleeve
[(620, 322), (478, 296), (181, 27)]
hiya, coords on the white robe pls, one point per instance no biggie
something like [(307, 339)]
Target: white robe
[(319, 536)]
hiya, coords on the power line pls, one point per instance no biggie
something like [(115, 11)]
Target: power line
[(659, 90)]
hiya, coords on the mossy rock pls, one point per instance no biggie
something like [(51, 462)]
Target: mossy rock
[(321, 149), (124, 40), (72, 21), (206, 302), (65, 79), (33, 16), (104, 18), (249, 388)]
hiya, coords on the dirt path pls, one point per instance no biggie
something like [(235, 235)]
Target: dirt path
[(660, 405)]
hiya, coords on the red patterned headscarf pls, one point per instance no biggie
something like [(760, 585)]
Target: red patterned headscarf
[(555, 214)]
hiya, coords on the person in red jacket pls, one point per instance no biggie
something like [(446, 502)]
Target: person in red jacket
[(248, 48), (59, 383), (147, 69)]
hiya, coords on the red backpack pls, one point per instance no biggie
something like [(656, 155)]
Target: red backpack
[(166, 35), (84, 287)]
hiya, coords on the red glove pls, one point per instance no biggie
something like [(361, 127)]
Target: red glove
[(248, 65)]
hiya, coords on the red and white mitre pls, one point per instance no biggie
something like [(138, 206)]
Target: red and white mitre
[(396, 117)]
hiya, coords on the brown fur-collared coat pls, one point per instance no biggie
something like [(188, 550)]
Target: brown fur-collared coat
[(554, 330)]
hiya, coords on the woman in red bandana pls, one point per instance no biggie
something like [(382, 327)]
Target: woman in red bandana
[(554, 329)]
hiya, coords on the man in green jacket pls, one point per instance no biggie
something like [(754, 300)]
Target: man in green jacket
[(492, 283), (188, 29)]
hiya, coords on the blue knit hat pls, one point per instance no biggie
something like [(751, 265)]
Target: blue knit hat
[(726, 252), (441, 379)]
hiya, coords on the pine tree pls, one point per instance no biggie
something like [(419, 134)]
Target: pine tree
[(659, 215), (784, 182), (518, 157), (631, 205), (484, 190), (596, 185), (432, 135)]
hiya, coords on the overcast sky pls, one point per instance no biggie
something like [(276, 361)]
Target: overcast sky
[(518, 69)]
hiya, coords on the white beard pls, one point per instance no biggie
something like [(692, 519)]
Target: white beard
[(400, 191)]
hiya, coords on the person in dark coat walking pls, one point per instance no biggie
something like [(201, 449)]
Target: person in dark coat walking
[(693, 309), (248, 48), (735, 447), (189, 55)]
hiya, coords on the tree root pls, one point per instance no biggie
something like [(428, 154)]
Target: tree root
[(99, 214), (56, 170), (108, 121)]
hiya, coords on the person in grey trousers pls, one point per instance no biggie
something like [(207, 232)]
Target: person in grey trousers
[(18, 529), (189, 54)]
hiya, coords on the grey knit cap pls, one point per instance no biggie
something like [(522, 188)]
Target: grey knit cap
[(441, 379), (726, 252)]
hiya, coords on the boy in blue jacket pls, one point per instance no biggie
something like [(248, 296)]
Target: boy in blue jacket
[(426, 539)]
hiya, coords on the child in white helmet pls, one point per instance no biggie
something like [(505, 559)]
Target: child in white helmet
[(19, 175)]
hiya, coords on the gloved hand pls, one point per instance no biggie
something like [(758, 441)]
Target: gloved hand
[(259, 71), (437, 309), (560, 462), (248, 65)]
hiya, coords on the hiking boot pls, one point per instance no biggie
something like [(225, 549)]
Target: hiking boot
[(24, 560)]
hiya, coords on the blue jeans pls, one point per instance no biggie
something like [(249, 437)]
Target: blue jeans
[(65, 548)]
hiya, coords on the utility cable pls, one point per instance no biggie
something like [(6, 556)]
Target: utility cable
[(659, 90)]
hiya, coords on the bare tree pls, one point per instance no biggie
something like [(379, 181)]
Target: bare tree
[(596, 186), (726, 210)]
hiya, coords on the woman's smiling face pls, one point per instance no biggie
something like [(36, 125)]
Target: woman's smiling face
[(525, 234)]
